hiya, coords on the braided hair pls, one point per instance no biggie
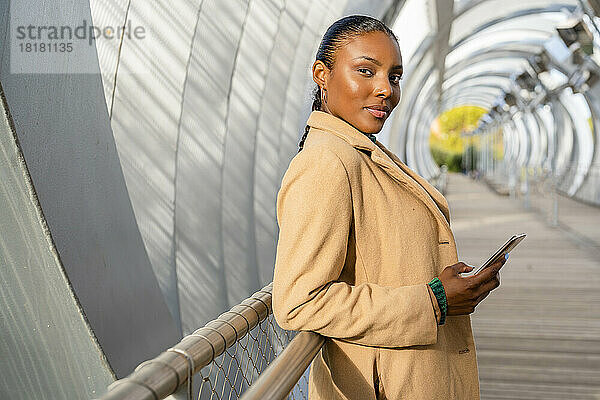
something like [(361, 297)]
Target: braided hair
[(336, 35)]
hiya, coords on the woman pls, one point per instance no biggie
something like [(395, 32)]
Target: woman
[(366, 256)]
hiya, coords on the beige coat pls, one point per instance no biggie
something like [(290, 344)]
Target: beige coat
[(360, 236)]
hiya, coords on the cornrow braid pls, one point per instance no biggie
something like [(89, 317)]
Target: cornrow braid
[(336, 35), (316, 105)]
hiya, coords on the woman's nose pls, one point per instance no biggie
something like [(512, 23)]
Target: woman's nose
[(383, 88)]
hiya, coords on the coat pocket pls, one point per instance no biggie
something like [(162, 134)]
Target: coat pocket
[(320, 381)]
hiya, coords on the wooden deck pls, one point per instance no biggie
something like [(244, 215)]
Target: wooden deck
[(538, 335)]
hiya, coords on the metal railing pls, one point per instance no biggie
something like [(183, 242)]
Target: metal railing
[(440, 181), (229, 354), (541, 188), (283, 374)]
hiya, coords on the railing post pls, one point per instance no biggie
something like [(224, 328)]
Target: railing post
[(280, 377), (525, 188), (554, 220)]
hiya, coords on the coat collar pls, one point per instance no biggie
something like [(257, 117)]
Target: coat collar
[(387, 160), (339, 127)]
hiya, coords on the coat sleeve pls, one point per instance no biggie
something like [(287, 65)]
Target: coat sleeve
[(314, 213)]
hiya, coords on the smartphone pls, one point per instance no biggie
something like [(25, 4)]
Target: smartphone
[(501, 252)]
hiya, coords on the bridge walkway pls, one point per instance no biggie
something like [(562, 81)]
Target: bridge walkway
[(538, 335)]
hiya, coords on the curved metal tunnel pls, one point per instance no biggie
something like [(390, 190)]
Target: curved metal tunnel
[(175, 143), (491, 45)]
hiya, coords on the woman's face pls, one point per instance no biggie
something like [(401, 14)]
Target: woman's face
[(363, 87)]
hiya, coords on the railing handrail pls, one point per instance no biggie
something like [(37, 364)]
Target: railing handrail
[(280, 377), (165, 374)]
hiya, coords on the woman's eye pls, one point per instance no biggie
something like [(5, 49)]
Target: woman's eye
[(396, 79), (365, 71)]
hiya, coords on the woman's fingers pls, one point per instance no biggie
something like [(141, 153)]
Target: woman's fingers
[(486, 288), (487, 273), (483, 296), (469, 304), (461, 267), (464, 293)]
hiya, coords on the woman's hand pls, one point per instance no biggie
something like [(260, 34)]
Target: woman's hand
[(464, 293)]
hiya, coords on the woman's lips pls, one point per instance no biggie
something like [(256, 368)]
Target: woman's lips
[(377, 113)]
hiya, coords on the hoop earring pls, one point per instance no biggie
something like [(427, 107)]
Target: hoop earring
[(324, 96)]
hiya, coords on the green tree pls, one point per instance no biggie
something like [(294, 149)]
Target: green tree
[(445, 141)]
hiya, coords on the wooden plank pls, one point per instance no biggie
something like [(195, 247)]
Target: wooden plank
[(538, 335)]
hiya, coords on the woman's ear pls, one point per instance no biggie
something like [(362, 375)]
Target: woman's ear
[(320, 74)]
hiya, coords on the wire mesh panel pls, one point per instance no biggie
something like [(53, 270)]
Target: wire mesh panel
[(226, 357), (231, 373)]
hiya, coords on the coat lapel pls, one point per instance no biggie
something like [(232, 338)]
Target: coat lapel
[(437, 197), (418, 185), (388, 161)]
